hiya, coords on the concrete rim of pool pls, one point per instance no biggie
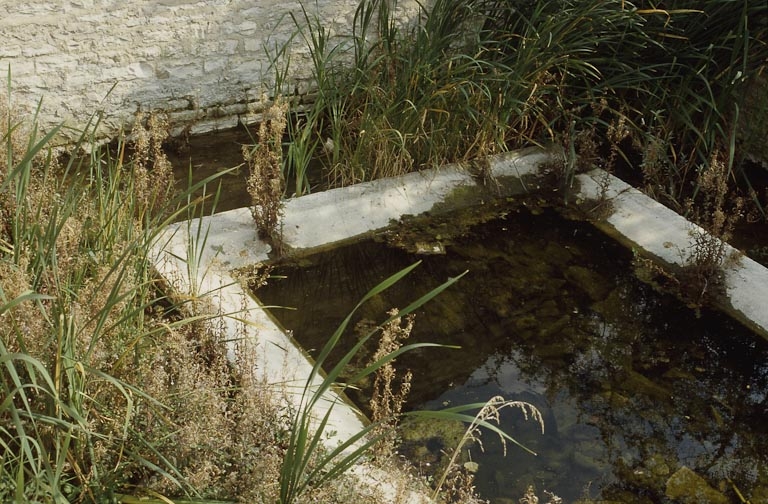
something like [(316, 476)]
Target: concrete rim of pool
[(337, 215)]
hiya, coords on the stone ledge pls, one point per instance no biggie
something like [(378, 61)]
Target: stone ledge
[(228, 241), (196, 258), (645, 224)]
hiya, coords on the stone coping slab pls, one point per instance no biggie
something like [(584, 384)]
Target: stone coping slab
[(197, 259), (644, 224), (332, 216)]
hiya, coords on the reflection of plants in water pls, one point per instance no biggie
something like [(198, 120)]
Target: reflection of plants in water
[(658, 403), (457, 481), (672, 406), (489, 412)]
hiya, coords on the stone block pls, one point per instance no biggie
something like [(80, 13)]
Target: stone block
[(687, 487)]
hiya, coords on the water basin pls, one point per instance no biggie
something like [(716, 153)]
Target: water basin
[(632, 385)]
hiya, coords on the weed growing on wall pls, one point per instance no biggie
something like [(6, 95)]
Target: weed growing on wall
[(715, 211), (153, 173)]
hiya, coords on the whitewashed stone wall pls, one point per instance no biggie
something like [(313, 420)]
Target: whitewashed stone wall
[(204, 62)]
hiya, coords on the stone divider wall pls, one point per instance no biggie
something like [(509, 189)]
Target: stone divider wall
[(203, 62)]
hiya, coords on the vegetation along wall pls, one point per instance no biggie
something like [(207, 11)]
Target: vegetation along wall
[(205, 62)]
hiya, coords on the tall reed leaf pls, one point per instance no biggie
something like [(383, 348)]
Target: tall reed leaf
[(306, 462)]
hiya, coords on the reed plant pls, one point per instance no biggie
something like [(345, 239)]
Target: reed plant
[(611, 81), (75, 287), (103, 375), (306, 463)]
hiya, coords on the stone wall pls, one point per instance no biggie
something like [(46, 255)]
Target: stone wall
[(204, 62)]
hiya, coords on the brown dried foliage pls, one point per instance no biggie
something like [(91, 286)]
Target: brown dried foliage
[(716, 210), (388, 397), (265, 183), (152, 171)]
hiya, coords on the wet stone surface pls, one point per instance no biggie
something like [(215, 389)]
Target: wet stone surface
[(638, 395)]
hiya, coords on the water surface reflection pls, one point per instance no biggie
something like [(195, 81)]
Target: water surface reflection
[(631, 384)]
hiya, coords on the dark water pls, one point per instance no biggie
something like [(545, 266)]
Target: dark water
[(205, 155), (632, 385)]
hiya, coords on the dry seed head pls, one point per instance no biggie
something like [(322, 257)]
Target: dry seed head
[(386, 404), (152, 171), (265, 183), (491, 412)]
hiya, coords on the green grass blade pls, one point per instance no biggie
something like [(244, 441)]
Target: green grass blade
[(455, 414)]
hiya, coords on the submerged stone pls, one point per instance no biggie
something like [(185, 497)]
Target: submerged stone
[(657, 465), (595, 285), (687, 487), (557, 254), (638, 384), (430, 438)]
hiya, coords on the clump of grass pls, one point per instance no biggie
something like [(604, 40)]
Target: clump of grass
[(266, 183), (77, 284), (409, 100), (716, 212), (221, 425), (111, 388), (469, 78)]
